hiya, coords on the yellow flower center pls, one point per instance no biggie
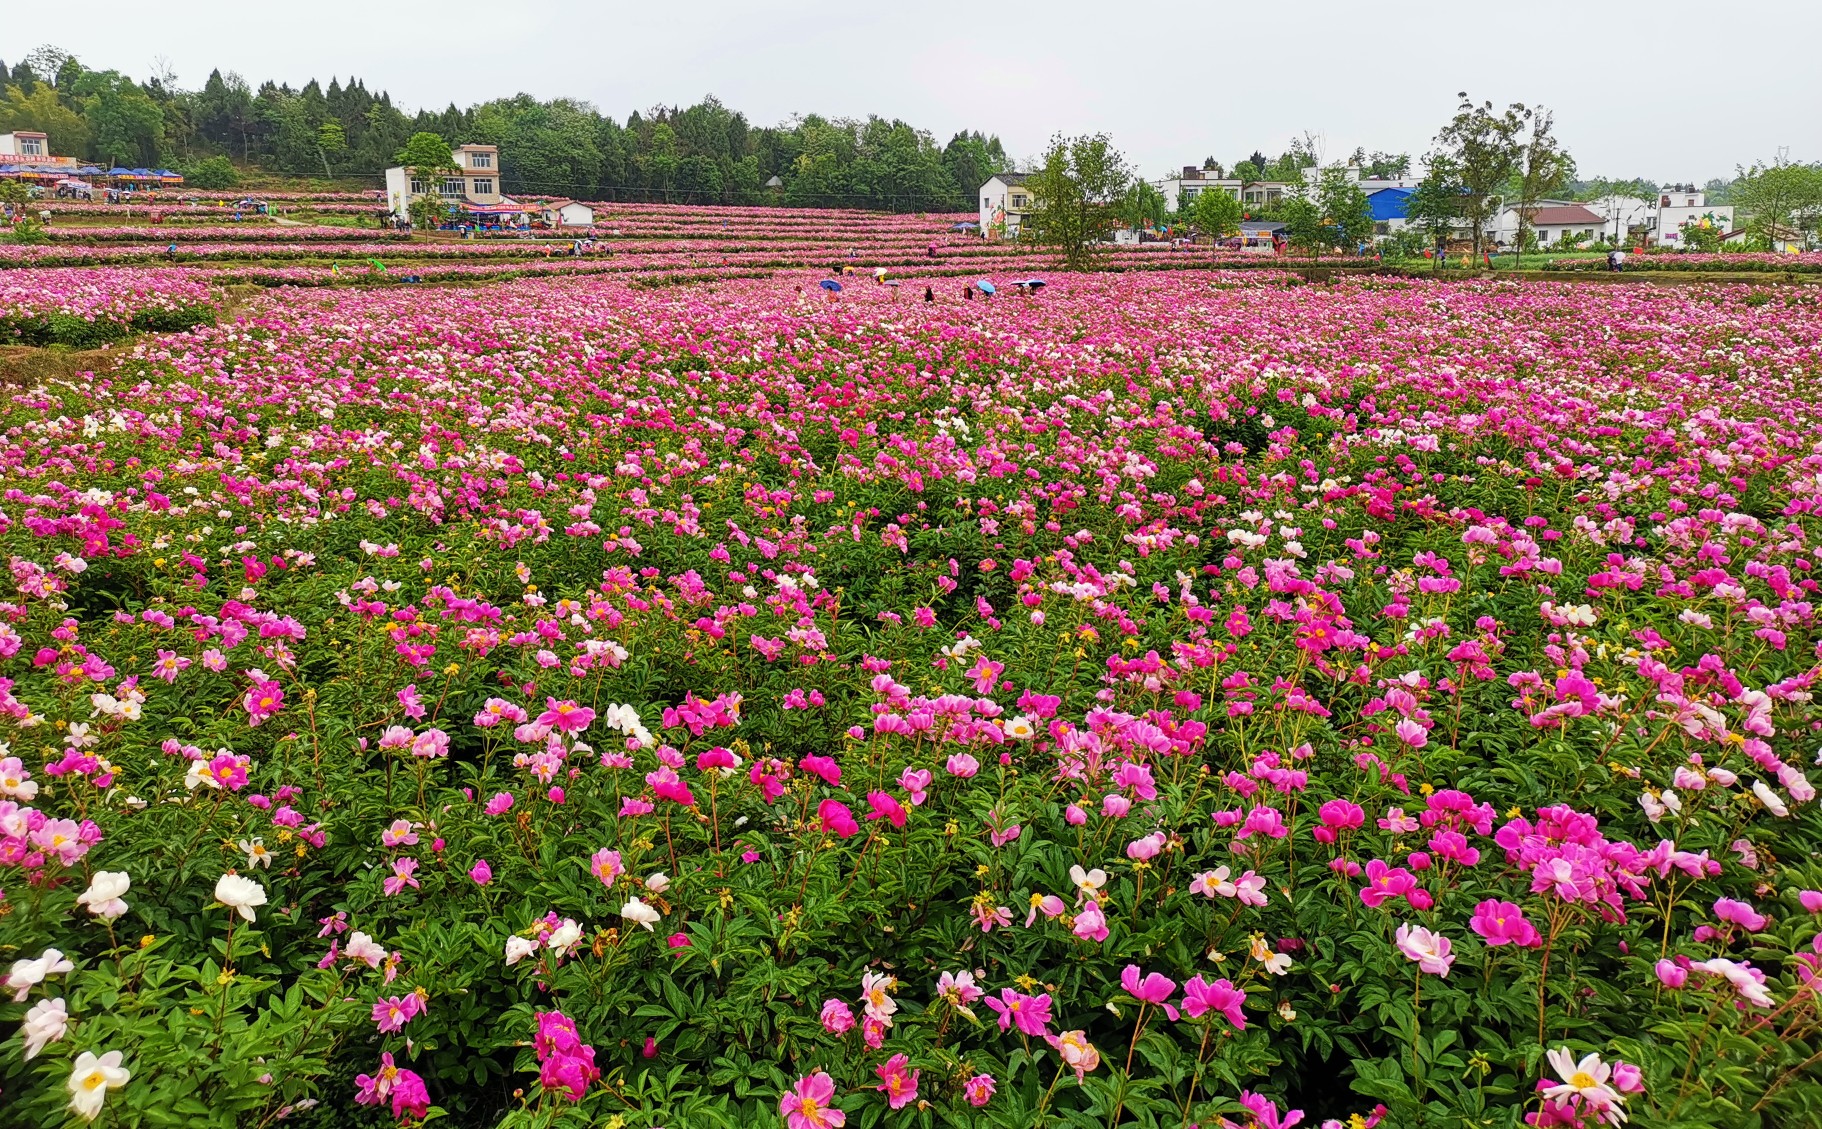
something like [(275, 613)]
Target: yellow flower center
[(1582, 1080)]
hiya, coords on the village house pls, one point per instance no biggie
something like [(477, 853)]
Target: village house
[(472, 184), (1686, 205), (1005, 201), (566, 213)]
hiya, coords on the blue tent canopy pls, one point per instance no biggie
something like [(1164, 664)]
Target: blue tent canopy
[(118, 171)]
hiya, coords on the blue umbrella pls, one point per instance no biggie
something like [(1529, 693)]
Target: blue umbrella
[(987, 287), (830, 284)]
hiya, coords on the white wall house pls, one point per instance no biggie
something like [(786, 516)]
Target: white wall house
[(566, 213), (1503, 227), (1566, 225), (23, 143), (1005, 201), (1686, 204), (474, 180)]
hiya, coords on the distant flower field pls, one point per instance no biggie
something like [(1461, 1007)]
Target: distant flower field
[(1163, 699)]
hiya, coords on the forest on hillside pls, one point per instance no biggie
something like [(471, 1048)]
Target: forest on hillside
[(701, 154)]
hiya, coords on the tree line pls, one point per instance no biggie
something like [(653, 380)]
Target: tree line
[(701, 154)]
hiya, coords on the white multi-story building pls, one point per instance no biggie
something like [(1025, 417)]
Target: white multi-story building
[(1180, 191), (1686, 205), (474, 179)]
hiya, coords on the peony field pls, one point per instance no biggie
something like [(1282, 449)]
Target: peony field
[(522, 686)]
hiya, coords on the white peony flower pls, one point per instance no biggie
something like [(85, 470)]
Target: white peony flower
[(26, 973), (364, 949), (518, 948), (103, 897), (564, 937), (1769, 798), (91, 1079), (46, 1023), (639, 913), (241, 894)]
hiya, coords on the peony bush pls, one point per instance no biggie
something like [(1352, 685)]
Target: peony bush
[(1162, 700)]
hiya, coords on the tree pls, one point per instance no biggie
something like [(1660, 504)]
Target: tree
[(212, 173), (1543, 167), (1385, 166), (1780, 199), (427, 210), (1701, 235), (1434, 207), (1075, 196), (330, 138), (425, 153), (1216, 214), (47, 61), (1345, 207), (971, 160), (1143, 206), (1636, 188), (37, 107), (128, 126), (1304, 152), (1331, 212), (1482, 146)]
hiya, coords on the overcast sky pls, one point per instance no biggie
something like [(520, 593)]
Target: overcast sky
[(1671, 90)]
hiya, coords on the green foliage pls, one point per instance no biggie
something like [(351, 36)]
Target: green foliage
[(1333, 212), (215, 172), (89, 333), (1781, 200), (425, 153), (1435, 206), (1481, 148), (1701, 236), (1543, 167), (1216, 214), (1143, 206), (427, 210), (1076, 195), (704, 154)]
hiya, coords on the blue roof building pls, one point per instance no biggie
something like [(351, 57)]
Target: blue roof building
[(1389, 203)]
